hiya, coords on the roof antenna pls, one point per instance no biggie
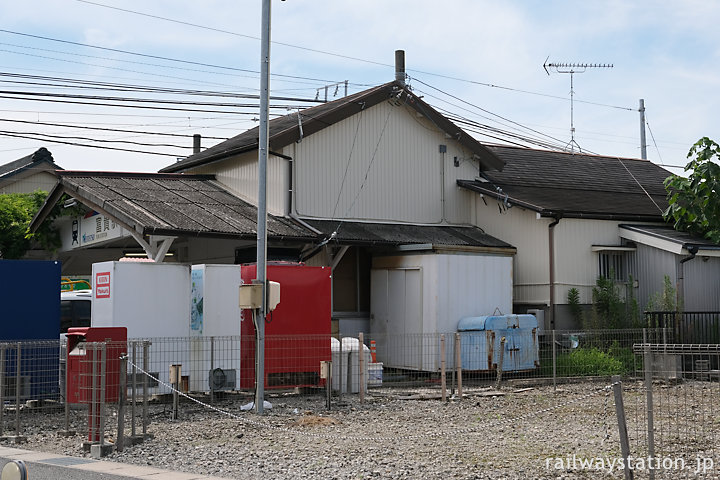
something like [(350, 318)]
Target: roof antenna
[(572, 69)]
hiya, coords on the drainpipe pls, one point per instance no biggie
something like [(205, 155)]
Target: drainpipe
[(692, 250), (551, 256)]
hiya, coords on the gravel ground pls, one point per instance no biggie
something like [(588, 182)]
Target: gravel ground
[(393, 434)]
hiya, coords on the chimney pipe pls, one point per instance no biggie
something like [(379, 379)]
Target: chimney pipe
[(400, 67), (196, 143)]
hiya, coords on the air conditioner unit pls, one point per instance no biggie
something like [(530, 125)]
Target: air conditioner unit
[(222, 379)]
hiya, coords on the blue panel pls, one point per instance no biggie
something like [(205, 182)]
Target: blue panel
[(480, 342), (29, 300)]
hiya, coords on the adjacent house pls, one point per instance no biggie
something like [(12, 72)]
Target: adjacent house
[(563, 212), (30, 173)]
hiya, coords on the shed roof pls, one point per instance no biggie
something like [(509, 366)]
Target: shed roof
[(667, 238), (170, 204), (576, 185), (404, 234), (285, 130)]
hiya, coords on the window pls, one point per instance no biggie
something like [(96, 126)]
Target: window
[(612, 266)]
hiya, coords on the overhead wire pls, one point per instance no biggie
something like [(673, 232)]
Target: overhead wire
[(75, 144)]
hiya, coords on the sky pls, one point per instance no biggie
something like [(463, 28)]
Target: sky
[(70, 71)]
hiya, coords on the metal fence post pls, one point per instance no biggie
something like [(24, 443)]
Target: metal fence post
[(361, 366), (554, 360), (443, 384), (103, 382), (93, 409), (134, 389), (458, 365), (212, 369), (2, 388), (622, 425), (500, 363), (146, 367), (67, 431), (340, 369), (121, 404), (650, 406), (17, 391)]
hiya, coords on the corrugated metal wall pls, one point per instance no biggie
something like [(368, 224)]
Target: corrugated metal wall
[(523, 230), (41, 181), (239, 175), (651, 265), (702, 284), (382, 164)]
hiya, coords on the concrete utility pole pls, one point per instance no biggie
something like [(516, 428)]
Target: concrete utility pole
[(643, 143), (263, 147)]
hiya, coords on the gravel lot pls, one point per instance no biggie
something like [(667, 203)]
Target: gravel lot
[(394, 434)]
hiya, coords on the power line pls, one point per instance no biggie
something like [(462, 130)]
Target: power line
[(159, 57), (116, 130), (166, 19), (75, 144), (99, 140)]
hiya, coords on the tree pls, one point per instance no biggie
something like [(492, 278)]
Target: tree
[(16, 212), (694, 201)]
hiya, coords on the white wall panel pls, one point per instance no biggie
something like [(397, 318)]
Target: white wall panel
[(41, 181), (522, 229), (239, 175), (382, 164)]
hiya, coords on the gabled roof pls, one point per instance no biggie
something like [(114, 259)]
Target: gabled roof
[(41, 159), (362, 233), (169, 204), (285, 130), (576, 185)]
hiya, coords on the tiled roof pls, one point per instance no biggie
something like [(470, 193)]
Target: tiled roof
[(403, 234), (173, 204), (576, 184), (41, 156), (285, 130)]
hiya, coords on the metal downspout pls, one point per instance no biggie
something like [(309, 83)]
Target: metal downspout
[(551, 256), (680, 293)]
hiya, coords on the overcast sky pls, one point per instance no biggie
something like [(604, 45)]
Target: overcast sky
[(480, 60)]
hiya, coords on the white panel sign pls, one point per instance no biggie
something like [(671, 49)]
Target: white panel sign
[(92, 229)]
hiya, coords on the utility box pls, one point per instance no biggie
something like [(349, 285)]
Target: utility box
[(297, 332), (214, 312), (481, 342), (84, 363), (150, 299)]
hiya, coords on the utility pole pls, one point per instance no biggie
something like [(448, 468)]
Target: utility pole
[(643, 143), (263, 147)]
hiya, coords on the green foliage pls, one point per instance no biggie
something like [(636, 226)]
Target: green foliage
[(576, 310), (16, 212), (664, 301), (608, 309), (694, 201), (589, 362)]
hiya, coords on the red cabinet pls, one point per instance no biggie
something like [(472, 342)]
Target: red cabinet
[(297, 332)]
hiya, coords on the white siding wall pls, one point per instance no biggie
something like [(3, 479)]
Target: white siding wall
[(393, 170), (41, 181), (523, 230), (239, 174), (576, 265)]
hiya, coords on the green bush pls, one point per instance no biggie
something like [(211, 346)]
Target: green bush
[(589, 362)]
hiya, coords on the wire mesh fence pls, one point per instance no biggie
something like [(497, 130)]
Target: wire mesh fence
[(672, 391)]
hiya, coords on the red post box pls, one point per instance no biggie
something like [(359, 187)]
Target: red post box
[(80, 360)]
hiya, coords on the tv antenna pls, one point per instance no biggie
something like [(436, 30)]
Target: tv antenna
[(572, 69)]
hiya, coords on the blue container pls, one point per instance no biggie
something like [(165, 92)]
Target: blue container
[(481, 340), (30, 311)]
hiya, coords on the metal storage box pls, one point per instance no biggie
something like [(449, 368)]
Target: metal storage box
[(480, 342)]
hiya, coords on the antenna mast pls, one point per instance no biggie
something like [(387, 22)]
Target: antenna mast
[(572, 69)]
